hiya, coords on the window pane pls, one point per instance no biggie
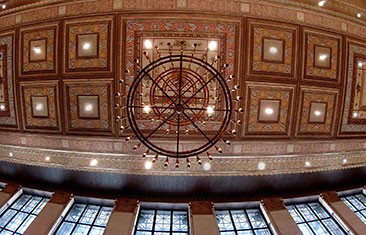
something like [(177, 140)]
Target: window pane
[(89, 214), (240, 219), (103, 216), (247, 221), (162, 222), (318, 220), (256, 219), (18, 216), (180, 221), (224, 221), (357, 203), (75, 212), (146, 220), (83, 218), (65, 228)]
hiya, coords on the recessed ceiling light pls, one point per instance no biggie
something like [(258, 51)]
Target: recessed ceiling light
[(37, 50), (2, 107), (206, 166), (47, 158), (323, 57), (360, 64), (148, 165), (321, 3), (261, 166), (317, 113), (10, 154), (359, 15), (39, 107), (3, 6), (147, 109), (93, 162), (148, 44), (344, 161), (88, 107), (273, 50), (355, 114), (307, 164), (86, 46), (269, 111), (210, 110), (212, 45)]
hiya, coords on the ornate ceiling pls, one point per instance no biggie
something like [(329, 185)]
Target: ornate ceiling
[(65, 74)]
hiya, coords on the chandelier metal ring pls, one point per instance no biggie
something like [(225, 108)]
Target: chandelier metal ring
[(180, 95)]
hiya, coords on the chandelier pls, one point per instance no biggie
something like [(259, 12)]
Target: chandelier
[(182, 97)]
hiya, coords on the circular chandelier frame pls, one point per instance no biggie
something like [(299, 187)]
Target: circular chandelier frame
[(179, 104)]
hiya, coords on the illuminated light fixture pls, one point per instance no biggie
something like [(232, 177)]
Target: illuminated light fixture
[(321, 3), (37, 50), (344, 161), (261, 166), (317, 113), (2, 107), (360, 64), (147, 109), (93, 162), (323, 57), (148, 165), (148, 44), (269, 111), (355, 114), (39, 107), (207, 166), (47, 158), (212, 45), (86, 46), (210, 110), (307, 164), (88, 107), (359, 15), (180, 95), (273, 50), (11, 154)]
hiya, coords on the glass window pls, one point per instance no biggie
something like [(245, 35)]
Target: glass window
[(84, 219), (162, 222), (313, 219), (240, 222), (357, 203), (19, 215)]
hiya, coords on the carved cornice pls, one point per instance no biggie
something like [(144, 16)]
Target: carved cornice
[(220, 166)]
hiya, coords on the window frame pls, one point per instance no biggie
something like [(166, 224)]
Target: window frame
[(15, 198), (245, 206), (162, 207), (343, 195), (81, 200), (317, 199)]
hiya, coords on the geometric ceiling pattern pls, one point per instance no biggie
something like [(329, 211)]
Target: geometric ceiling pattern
[(300, 79)]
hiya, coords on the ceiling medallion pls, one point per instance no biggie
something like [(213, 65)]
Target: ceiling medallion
[(182, 97)]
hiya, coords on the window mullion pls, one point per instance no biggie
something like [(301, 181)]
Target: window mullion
[(305, 221)]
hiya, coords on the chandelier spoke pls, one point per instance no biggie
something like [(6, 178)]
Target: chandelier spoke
[(157, 84)]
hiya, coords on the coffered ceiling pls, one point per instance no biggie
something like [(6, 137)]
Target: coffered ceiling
[(64, 79)]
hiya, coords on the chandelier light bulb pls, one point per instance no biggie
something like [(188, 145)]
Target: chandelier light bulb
[(166, 163)]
